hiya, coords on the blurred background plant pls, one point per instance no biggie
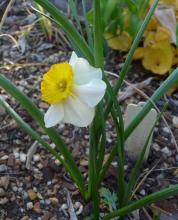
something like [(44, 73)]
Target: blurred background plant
[(89, 44), (158, 48)]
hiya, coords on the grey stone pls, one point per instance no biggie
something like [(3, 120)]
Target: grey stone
[(3, 168), (2, 192), (4, 181)]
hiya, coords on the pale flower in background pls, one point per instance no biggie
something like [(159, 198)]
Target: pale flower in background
[(73, 90)]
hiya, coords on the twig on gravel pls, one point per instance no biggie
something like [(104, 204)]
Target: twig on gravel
[(144, 178), (130, 90), (144, 210), (5, 13), (70, 207), (160, 209), (148, 98), (30, 154), (12, 38)]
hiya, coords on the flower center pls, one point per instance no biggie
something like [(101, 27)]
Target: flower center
[(57, 83)]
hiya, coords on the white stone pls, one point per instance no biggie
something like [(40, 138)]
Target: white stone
[(23, 157), (3, 168), (142, 192), (29, 205), (166, 130), (5, 157), (57, 162), (136, 141), (16, 155), (36, 157), (175, 121), (166, 151), (53, 145), (64, 206), (156, 147)]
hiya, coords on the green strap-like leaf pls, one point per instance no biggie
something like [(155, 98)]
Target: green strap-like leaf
[(52, 133)]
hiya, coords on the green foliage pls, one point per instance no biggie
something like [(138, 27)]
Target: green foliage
[(105, 17), (109, 198), (121, 15)]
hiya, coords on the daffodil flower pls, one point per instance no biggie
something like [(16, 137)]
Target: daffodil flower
[(73, 90)]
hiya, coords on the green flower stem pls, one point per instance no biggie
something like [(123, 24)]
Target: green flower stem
[(52, 133), (68, 28), (107, 164), (120, 161), (102, 142), (94, 140), (73, 8), (171, 191), (87, 26)]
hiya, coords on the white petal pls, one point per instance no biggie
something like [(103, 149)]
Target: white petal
[(77, 113), (83, 71), (73, 59), (54, 115), (167, 18), (91, 93)]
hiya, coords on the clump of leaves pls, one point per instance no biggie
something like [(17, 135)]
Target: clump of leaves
[(108, 198)]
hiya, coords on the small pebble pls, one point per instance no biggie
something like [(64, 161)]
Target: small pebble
[(64, 206), (53, 145), (3, 168), (3, 201), (40, 165), (47, 202), (20, 189), (156, 147), (2, 192), (166, 130), (25, 195), (16, 154), (36, 157), (29, 205), (166, 151), (160, 176), (25, 218), (142, 192), (49, 183), (57, 162), (32, 194), (14, 188), (175, 121), (42, 202), (37, 208), (176, 157), (77, 205), (5, 157), (22, 210), (4, 181), (11, 160), (23, 157), (54, 201)]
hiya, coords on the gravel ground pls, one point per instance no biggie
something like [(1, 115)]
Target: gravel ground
[(41, 191)]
